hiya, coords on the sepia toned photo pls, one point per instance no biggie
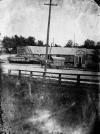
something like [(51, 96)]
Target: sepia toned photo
[(49, 66)]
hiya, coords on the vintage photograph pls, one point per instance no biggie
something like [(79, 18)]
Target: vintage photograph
[(49, 66)]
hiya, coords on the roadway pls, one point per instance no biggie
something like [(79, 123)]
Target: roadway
[(33, 67)]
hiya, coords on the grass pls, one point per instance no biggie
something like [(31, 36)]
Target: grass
[(19, 105)]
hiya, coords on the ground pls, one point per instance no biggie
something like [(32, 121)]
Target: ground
[(42, 106)]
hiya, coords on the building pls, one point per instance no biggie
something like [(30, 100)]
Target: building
[(74, 57)]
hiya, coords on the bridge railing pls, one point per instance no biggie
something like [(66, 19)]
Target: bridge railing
[(60, 77)]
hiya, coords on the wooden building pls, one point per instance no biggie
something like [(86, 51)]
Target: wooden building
[(74, 57)]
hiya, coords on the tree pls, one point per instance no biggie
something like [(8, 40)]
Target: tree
[(40, 43), (89, 44), (16, 40), (76, 45), (55, 45), (7, 43), (23, 41), (11, 43), (98, 45), (31, 41), (69, 43)]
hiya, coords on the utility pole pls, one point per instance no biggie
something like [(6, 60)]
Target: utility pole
[(1, 120), (48, 31), (74, 38)]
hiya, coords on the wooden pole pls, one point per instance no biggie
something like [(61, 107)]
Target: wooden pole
[(78, 78), (29, 85), (1, 120), (48, 31)]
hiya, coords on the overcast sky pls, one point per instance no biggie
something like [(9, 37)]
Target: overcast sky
[(69, 18)]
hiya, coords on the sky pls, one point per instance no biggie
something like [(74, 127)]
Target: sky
[(77, 20)]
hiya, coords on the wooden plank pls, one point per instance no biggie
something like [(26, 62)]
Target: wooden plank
[(98, 75), (60, 76)]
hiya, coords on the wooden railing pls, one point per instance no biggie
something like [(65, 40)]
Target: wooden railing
[(60, 77)]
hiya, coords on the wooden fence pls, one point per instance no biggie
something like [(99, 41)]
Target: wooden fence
[(60, 77)]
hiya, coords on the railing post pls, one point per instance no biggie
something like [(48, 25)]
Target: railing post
[(29, 85), (44, 74), (59, 78), (19, 75), (78, 78), (9, 72), (31, 74)]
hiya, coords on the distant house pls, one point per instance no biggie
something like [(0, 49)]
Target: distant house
[(74, 57)]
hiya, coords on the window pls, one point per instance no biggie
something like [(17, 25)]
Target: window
[(69, 59)]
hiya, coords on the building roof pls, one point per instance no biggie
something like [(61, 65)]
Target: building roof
[(55, 50)]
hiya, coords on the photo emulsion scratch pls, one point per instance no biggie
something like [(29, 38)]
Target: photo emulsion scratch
[(49, 66)]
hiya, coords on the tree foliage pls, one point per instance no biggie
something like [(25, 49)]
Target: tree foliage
[(40, 43), (31, 41), (16, 41), (98, 45), (89, 44), (76, 45), (56, 45), (69, 43), (11, 43)]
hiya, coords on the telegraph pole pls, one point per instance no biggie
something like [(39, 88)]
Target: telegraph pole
[(48, 31), (74, 38)]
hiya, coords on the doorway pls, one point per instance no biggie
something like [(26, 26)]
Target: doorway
[(80, 62)]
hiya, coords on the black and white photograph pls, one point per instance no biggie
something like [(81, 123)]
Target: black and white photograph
[(49, 66)]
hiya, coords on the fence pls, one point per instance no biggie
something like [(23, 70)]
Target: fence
[(60, 77)]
